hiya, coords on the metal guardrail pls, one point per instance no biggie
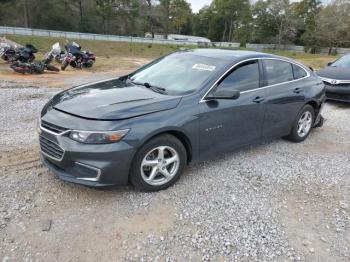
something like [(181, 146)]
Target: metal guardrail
[(4, 30), (87, 36)]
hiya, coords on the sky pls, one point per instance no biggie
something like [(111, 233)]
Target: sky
[(198, 4)]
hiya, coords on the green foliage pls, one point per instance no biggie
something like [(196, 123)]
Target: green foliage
[(281, 22), (333, 25)]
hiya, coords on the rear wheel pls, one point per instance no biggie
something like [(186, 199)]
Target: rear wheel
[(52, 68), (303, 124), (64, 65), (158, 164)]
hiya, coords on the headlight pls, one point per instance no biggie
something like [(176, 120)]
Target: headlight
[(91, 137)]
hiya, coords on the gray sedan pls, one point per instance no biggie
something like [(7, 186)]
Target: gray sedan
[(182, 108)]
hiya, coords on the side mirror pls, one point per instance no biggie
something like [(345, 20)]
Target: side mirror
[(224, 94), (329, 64)]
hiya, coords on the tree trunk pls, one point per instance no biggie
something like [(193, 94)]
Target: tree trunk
[(230, 31), (152, 28), (81, 13), (224, 34), (167, 14), (25, 13), (150, 17), (330, 50), (104, 26)]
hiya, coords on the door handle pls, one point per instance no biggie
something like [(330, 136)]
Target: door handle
[(297, 90), (258, 99)]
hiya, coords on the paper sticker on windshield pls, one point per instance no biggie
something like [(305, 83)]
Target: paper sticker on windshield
[(204, 67)]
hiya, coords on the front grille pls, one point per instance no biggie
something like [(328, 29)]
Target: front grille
[(338, 96), (338, 85), (50, 148), (53, 128)]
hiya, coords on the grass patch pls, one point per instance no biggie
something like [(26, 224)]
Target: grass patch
[(100, 48), (150, 51)]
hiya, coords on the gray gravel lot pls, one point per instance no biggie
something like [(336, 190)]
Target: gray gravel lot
[(276, 201)]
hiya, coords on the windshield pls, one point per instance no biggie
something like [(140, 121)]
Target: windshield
[(342, 62), (178, 73)]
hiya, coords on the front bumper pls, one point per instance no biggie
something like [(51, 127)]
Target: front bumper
[(90, 165), (338, 93)]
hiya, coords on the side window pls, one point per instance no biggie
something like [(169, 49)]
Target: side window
[(243, 78), (278, 71), (298, 72)]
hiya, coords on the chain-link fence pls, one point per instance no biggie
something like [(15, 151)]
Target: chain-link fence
[(86, 36)]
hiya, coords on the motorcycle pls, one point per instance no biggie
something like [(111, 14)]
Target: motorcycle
[(38, 67), (76, 58), (7, 52), (12, 53)]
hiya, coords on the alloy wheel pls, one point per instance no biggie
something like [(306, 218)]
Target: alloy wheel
[(304, 124), (160, 165)]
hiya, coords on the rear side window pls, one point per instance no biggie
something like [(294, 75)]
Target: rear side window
[(244, 77), (278, 71), (298, 72)]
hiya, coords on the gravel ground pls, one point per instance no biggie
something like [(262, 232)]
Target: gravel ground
[(276, 201)]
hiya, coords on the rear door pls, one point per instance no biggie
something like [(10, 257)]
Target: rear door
[(285, 96), (226, 124)]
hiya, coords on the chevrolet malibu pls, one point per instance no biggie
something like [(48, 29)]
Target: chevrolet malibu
[(146, 127)]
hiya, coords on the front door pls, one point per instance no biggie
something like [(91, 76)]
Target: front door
[(226, 124)]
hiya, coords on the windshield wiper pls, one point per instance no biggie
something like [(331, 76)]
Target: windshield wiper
[(157, 89)]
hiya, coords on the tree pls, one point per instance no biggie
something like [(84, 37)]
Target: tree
[(105, 11), (150, 14), (165, 9), (200, 21), (333, 25), (50, 14), (265, 29), (180, 16), (306, 11), (117, 15), (285, 23)]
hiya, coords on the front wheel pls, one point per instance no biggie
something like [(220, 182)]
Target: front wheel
[(22, 68), (302, 124), (158, 164), (31, 59)]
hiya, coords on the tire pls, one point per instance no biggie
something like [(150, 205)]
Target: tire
[(52, 68), (31, 59), (306, 117), (148, 161), (64, 65), (21, 68), (89, 64)]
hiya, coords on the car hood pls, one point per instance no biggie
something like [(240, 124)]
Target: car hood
[(112, 100), (337, 73)]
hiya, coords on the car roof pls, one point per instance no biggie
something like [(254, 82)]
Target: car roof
[(235, 56), (229, 54)]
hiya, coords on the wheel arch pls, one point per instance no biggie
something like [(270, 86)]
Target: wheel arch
[(315, 105), (179, 134)]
